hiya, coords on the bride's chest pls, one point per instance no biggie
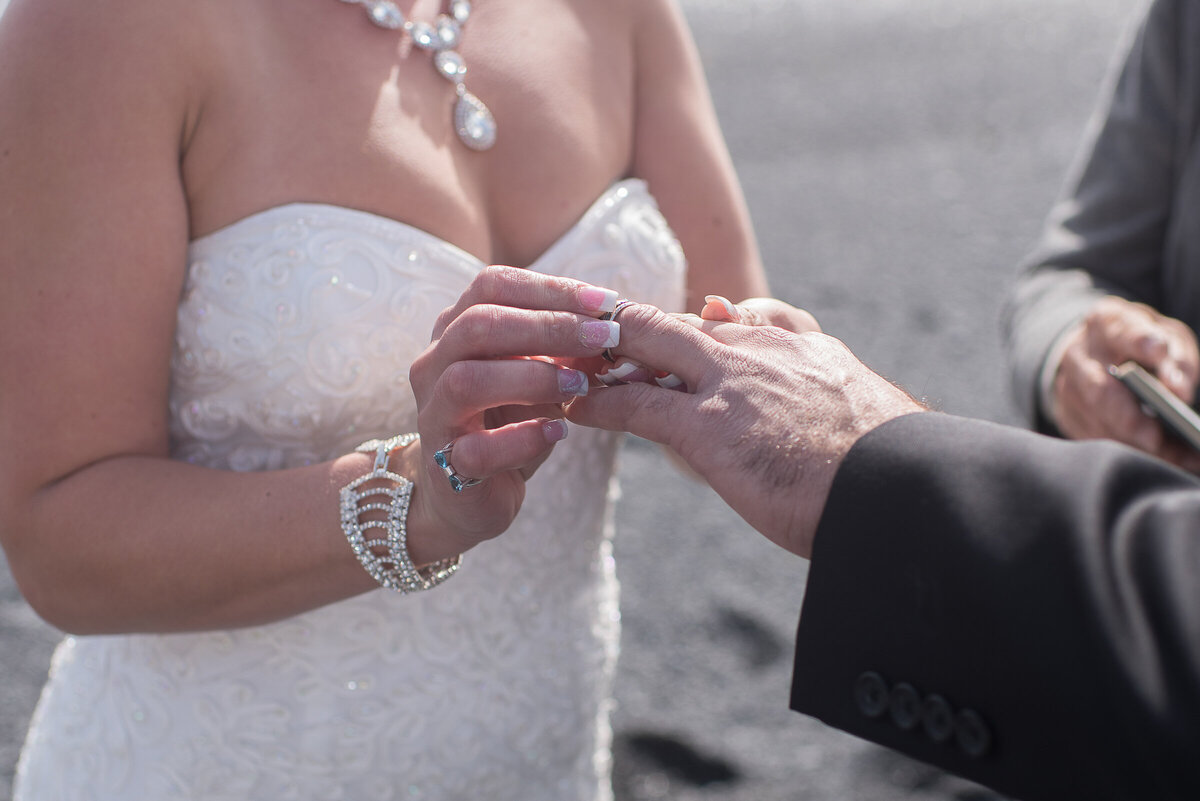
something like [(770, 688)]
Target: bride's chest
[(328, 107)]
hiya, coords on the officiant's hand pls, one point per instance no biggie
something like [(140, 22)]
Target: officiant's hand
[(1091, 404), (766, 417)]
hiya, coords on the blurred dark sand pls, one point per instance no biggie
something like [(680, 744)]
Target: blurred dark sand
[(898, 158)]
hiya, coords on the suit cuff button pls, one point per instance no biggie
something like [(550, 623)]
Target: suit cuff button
[(972, 734), (905, 706), (937, 718), (871, 694)]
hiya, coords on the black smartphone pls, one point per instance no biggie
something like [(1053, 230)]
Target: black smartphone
[(1175, 415)]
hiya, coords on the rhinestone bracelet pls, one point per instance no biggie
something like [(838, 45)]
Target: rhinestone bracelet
[(386, 556)]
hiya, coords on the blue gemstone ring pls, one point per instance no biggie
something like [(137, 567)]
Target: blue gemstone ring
[(457, 483)]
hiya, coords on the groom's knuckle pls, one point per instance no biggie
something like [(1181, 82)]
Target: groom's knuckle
[(640, 318), (715, 410)]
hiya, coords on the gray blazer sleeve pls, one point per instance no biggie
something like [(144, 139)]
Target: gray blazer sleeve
[(1018, 609), (1107, 233)]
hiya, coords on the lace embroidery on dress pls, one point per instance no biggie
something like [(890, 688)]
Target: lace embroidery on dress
[(295, 332)]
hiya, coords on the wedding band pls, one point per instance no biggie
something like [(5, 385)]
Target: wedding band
[(457, 483), (612, 315)]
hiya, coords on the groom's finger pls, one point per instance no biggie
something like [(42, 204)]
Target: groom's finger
[(645, 410), (663, 341)]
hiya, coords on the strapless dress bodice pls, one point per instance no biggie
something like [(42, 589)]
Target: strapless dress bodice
[(296, 329), (298, 324)]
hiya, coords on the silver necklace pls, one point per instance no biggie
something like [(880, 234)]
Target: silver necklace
[(473, 121)]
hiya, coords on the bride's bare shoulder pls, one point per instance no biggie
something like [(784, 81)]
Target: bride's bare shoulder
[(106, 42)]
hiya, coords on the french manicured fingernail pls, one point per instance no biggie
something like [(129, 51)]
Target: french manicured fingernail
[(594, 298), (731, 313), (1173, 376), (572, 382), (600, 333), (554, 430), (668, 381), (629, 372), (624, 373)]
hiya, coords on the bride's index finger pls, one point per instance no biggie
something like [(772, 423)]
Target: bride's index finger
[(526, 289)]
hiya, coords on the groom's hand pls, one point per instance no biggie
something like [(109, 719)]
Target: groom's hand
[(767, 416)]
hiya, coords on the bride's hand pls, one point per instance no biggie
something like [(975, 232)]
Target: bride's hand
[(478, 390), (759, 311)]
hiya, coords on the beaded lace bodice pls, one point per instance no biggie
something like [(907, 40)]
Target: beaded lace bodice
[(295, 333)]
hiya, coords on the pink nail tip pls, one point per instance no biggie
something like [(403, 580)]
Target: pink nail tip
[(600, 334), (594, 298), (730, 310), (572, 382), (555, 430), (626, 370)]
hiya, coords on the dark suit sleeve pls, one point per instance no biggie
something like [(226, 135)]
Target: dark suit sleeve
[(1017, 609)]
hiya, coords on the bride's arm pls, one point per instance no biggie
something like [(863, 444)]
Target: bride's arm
[(102, 531), (680, 151)]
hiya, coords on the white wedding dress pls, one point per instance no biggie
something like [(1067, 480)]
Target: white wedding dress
[(295, 333)]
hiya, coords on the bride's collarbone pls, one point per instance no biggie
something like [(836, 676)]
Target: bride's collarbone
[(491, 205)]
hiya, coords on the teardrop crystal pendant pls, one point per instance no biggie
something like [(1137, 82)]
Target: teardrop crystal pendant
[(473, 122)]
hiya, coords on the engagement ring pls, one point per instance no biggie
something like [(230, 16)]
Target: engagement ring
[(457, 483)]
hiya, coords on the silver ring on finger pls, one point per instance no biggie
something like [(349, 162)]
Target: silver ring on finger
[(458, 483), (612, 315)]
